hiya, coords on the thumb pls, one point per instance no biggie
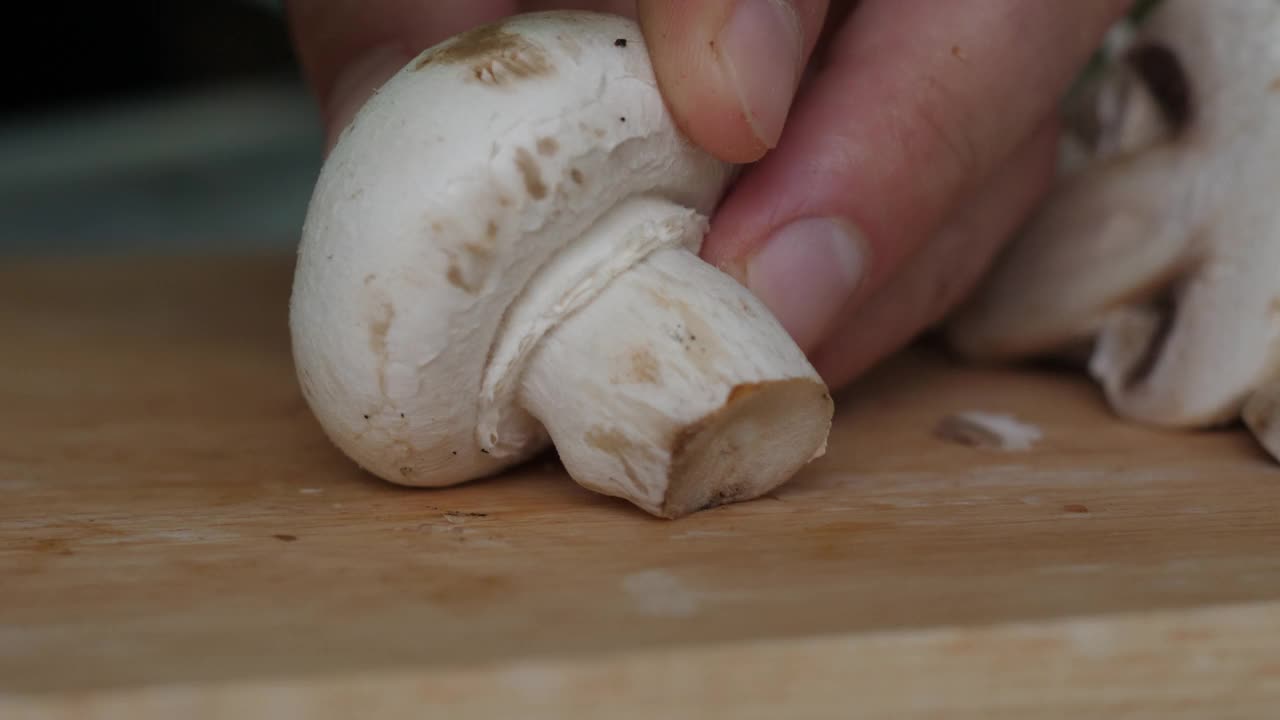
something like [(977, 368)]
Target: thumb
[(729, 69)]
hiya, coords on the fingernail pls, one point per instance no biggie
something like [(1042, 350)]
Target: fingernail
[(805, 273), (761, 52), (356, 82)]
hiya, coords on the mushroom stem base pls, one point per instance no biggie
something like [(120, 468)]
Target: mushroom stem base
[(677, 390)]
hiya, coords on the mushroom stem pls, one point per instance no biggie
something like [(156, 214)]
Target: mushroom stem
[(677, 390)]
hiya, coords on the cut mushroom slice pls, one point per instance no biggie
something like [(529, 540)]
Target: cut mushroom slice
[(1262, 416), (1101, 244), (1165, 249), (501, 253)]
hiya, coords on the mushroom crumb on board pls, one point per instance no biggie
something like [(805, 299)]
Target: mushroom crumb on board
[(512, 240), (988, 430)]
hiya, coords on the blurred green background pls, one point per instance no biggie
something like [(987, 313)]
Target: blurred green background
[(162, 127)]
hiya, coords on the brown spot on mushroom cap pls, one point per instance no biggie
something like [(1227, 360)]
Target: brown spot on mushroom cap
[(378, 329), (548, 147), (576, 175), (454, 276), (642, 366), (469, 268), (531, 173), (495, 55), (1275, 84), (480, 253)]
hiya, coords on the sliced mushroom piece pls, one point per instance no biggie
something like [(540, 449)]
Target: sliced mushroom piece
[(1262, 416), (1102, 243), (501, 253), (1189, 216)]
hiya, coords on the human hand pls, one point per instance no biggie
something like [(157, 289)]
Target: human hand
[(894, 145)]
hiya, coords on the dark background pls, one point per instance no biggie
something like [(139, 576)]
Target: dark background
[(69, 55), (149, 126)]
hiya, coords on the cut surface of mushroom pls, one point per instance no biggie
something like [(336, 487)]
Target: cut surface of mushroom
[(1262, 416), (500, 254), (1165, 246)]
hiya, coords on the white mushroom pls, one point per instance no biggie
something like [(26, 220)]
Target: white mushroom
[(501, 252), (1165, 247)]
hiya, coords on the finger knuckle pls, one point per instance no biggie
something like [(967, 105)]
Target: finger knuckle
[(943, 120)]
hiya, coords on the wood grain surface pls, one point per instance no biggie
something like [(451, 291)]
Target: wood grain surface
[(178, 539)]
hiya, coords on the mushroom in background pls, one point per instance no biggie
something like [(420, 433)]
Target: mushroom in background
[(1162, 247), (501, 253)]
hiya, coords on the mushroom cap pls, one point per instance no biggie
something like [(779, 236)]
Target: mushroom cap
[(470, 172)]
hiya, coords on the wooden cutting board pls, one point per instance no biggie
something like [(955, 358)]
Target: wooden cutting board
[(178, 539)]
